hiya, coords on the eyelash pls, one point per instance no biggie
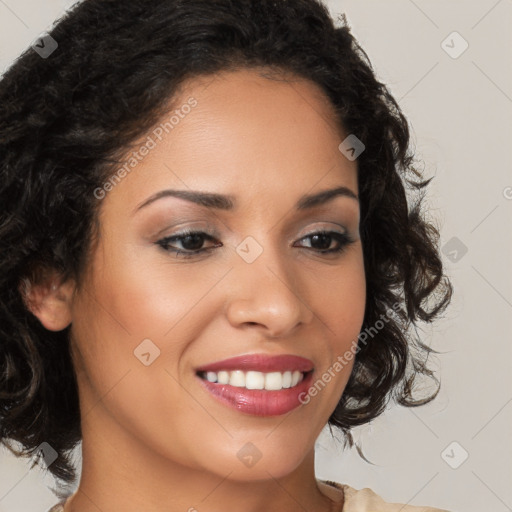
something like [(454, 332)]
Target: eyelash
[(343, 239)]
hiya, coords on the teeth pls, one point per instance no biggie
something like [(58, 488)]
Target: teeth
[(256, 380), (212, 376), (253, 380), (287, 379), (237, 378), (222, 377)]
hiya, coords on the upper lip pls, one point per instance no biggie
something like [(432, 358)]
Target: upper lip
[(260, 363)]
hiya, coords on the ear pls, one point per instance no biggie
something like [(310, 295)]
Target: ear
[(50, 301)]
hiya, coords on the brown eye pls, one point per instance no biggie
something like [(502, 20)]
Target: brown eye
[(321, 241), (191, 242)]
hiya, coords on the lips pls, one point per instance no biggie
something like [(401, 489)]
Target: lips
[(258, 402), (260, 363)]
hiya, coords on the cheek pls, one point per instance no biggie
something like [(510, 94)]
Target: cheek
[(124, 310), (135, 312), (340, 299), (147, 294), (342, 307)]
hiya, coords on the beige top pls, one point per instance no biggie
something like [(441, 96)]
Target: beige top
[(349, 500), (364, 500)]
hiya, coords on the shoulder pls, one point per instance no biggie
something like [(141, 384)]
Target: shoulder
[(366, 500)]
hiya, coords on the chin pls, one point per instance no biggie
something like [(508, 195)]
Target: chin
[(251, 462)]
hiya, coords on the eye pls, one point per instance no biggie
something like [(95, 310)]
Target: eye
[(192, 242), (324, 239)]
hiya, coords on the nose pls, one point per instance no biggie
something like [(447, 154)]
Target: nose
[(265, 294)]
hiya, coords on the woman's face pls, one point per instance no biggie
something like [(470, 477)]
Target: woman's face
[(148, 318)]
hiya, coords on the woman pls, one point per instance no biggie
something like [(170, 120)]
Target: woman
[(207, 254)]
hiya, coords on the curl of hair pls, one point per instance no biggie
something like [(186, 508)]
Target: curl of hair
[(66, 120)]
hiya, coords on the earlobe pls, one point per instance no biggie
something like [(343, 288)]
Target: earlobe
[(50, 301)]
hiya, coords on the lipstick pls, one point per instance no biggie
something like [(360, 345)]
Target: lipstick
[(233, 382)]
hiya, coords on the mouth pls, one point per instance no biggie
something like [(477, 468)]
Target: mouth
[(258, 384), (269, 381)]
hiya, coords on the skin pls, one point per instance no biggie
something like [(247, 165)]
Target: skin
[(153, 438)]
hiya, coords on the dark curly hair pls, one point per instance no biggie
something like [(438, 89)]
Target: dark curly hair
[(65, 120)]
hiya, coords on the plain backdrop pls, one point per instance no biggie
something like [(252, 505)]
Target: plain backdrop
[(455, 453)]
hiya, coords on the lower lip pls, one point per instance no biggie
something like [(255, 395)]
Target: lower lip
[(259, 402)]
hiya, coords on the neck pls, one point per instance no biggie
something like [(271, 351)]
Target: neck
[(119, 472)]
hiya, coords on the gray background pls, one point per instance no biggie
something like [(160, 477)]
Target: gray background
[(461, 113)]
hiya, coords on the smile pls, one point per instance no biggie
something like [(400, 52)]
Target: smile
[(271, 381), (258, 384)]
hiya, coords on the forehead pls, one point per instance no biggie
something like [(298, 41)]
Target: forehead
[(257, 102), (245, 132)]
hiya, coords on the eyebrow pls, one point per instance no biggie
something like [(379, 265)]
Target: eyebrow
[(228, 202)]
